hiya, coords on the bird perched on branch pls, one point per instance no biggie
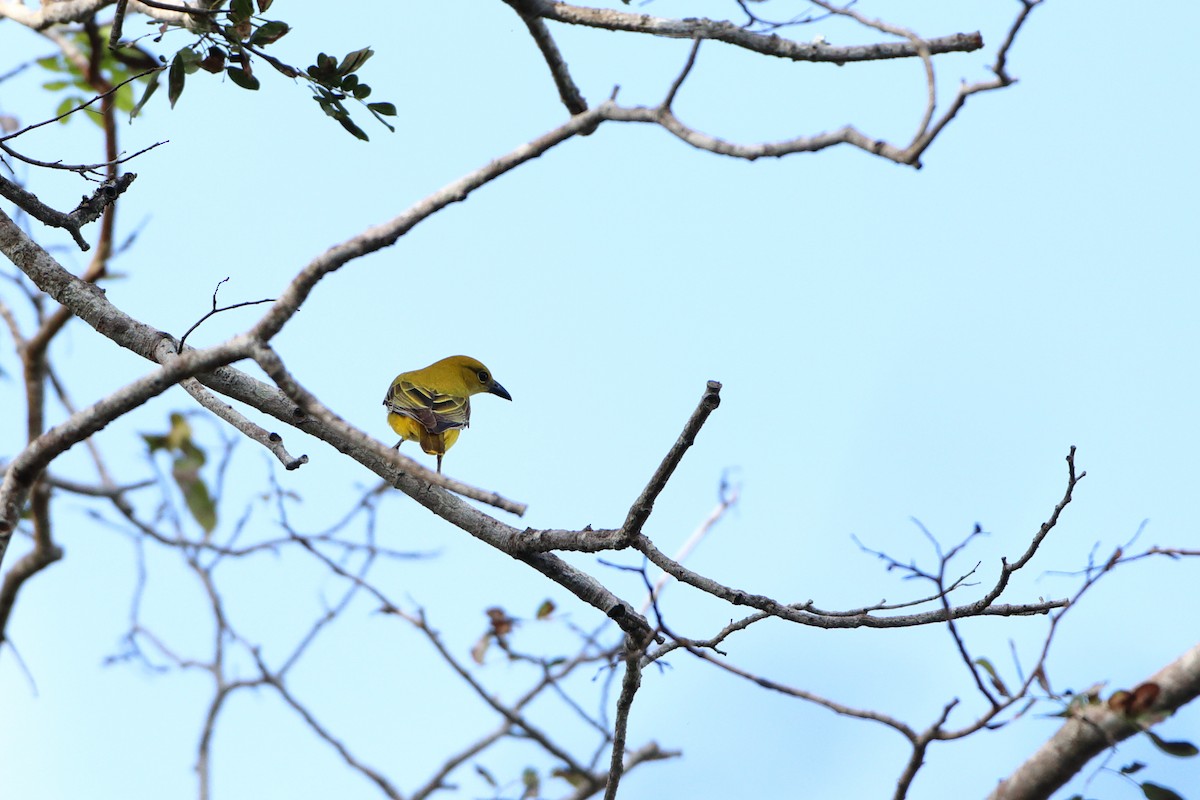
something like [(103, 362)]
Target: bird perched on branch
[(432, 405)]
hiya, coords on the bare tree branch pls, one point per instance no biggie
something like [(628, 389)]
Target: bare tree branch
[(272, 441), (88, 210), (767, 44), (568, 92), (642, 507)]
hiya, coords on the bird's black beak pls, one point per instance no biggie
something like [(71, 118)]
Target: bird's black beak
[(499, 390)]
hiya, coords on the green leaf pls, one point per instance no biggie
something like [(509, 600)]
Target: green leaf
[(385, 123), (263, 5), (240, 11), (330, 104), (576, 779), (200, 503), (123, 99), (1135, 767), (179, 436), (1155, 792), (151, 88), (189, 460), (242, 78), (191, 59), (324, 71), (997, 683), (155, 442), (487, 776), (532, 782), (1179, 749), (214, 62), (270, 32), (66, 105), (353, 61), (354, 130), (361, 92), (175, 77), (386, 109)]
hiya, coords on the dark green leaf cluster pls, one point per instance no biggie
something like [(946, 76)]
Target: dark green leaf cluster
[(233, 44), (185, 469), (335, 81)]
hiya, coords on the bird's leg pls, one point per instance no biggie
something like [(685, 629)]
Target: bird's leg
[(396, 446), (439, 455)]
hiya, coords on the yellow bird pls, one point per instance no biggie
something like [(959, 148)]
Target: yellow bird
[(432, 405)]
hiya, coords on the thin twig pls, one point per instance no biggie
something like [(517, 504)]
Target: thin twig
[(640, 511), (215, 310)]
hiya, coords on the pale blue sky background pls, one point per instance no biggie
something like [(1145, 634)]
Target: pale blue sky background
[(892, 343)]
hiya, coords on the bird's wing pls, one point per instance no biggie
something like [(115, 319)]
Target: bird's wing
[(435, 411)]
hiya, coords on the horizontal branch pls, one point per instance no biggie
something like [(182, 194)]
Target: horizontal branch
[(729, 33), (807, 614), (847, 134)]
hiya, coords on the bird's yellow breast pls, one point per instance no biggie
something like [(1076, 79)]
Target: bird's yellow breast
[(435, 444)]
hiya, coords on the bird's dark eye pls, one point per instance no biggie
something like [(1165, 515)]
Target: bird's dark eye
[(483, 376)]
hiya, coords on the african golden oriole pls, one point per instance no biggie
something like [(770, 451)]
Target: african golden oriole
[(433, 404)]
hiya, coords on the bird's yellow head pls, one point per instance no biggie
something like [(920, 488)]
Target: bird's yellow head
[(465, 376)]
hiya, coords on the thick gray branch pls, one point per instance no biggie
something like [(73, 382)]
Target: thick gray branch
[(1095, 730), (721, 31)]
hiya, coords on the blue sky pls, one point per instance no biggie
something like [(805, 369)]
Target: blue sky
[(893, 344)]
